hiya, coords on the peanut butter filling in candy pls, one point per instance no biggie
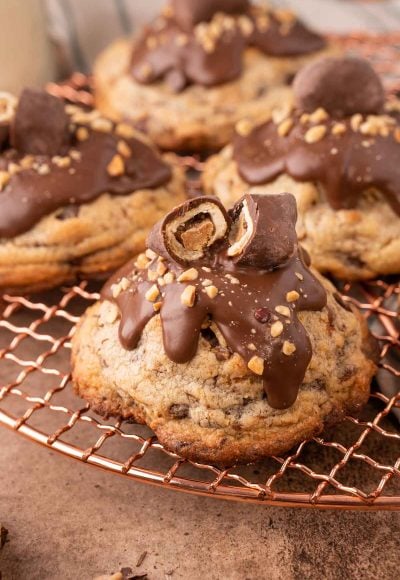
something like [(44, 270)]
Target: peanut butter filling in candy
[(339, 134), (240, 272), (202, 42), (54, 155)]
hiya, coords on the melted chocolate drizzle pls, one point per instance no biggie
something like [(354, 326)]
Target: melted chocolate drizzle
[(243, 311), (345, 164), (169, 51), (30, 195)]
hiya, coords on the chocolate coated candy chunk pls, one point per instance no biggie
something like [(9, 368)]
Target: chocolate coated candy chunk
[(263, 231), (188, 13), (341, 86), (40, 125), (188, 232)]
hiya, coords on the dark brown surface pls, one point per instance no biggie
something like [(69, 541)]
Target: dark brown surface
[(67, 520)]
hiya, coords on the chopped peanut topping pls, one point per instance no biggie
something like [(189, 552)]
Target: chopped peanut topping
[(292, 296), (161, 268), (211, 291), (188, 275), (125, 130), (338, 129), (276, 329), (315, 134), (319, 115), (356, 121), (116, 166), (285, 127), (152, 275), (122, 285), (157, 306), (4, 179), (82, 134), (188, 296), (244, 127), (152, 293), (169, 277), (142, 261), (150, 254), (288, 348), (256, 364), (124, 149), (284, 310), (43, 169), (101, 124), (206, 282)]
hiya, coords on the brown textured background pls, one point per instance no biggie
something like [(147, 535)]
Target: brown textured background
[(68, 521)]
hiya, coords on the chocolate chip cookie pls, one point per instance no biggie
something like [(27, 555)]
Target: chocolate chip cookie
[(222, 339), (202, 66), (79, 193), (337, 151)]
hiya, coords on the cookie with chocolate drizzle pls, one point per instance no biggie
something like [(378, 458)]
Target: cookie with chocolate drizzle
[(337, 152), (78, 193), (203, 65), (221, 338)]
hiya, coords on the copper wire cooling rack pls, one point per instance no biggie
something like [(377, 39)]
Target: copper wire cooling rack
[(355, 465)]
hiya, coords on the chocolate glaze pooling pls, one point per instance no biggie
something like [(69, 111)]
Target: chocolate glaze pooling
[(181, 50), (243, 311), (77, 175), (338, 136), (345, 164)]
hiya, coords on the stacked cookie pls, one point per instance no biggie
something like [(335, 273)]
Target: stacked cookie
[(337, 151)]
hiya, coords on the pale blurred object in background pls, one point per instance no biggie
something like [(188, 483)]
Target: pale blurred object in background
[(26, 57)]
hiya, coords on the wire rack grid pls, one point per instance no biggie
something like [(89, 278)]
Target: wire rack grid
[(355, 465)]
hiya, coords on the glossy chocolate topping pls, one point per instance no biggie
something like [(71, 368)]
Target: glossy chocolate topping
[(346, 156), (250, 305), (203, 42), (60, 159)]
